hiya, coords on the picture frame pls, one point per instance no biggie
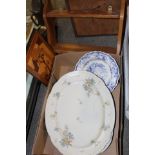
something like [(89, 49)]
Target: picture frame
[(39, 58)]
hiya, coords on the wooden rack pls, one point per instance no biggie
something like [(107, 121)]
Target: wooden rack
[(49, 16)]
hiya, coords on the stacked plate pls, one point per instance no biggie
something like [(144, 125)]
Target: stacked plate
[(80, 113), (101, 64)]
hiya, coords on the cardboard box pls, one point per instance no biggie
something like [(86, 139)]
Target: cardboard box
[(63, 64)]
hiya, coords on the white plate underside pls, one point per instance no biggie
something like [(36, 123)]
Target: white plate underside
[(80, 114)]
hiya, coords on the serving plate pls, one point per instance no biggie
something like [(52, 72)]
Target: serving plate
[(101, 64), (80, 114)]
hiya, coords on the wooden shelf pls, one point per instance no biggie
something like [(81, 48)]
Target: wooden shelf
[(92, 22), (82, 14), (68, 47)]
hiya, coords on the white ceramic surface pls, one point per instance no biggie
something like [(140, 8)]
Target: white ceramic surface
[(80, 114), (101, 64)]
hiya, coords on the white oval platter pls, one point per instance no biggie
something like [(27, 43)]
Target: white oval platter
[(101, 64), (80, 114)]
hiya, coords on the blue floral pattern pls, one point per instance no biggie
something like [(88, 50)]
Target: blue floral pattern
[(100, 69)]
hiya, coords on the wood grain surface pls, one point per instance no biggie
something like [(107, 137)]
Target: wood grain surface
[(86, 27), (82, 14)]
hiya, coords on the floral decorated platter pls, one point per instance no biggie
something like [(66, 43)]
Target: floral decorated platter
[(101, 64), (80, 114)]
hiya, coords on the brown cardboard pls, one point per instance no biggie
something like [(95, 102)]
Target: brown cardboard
[(65, 63)]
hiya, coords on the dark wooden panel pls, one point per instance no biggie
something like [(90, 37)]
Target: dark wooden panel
[(93, 4), (86, 27)]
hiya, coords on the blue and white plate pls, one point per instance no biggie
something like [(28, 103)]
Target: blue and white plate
[(101, 64)]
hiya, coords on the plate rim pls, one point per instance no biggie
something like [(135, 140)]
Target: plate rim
[(105, 54), (113, 105)]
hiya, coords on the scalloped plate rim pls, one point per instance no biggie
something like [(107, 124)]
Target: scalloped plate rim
[(105, 54)]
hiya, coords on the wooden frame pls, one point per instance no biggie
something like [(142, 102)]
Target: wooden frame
[(49, 15), (39, 59)]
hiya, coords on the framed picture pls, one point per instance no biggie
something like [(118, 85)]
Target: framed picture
[(39, 58)]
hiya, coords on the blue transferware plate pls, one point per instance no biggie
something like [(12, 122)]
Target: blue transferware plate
[(101, 64)]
